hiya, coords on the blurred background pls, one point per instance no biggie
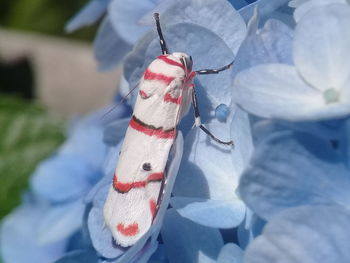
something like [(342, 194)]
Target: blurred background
[(47, 77)]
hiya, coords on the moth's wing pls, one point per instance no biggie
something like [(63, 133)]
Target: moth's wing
[(131, 204)]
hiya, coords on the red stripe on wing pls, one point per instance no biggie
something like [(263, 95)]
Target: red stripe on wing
[(169, 98), (157, 132), (153, 207), (149, 75), (126, 187), (171, 62)]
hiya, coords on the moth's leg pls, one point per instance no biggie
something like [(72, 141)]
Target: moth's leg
[(198, 122), (213, 71)]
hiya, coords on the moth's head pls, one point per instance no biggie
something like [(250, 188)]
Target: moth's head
[(184, 59)]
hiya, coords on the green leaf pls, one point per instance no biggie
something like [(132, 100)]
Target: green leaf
[(27, 135)]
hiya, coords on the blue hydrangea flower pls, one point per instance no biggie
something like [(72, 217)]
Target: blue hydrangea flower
[(214, 170), (317, 86), (279, 195), (54, 212), (290, 169), (303, 6), (308, 234)]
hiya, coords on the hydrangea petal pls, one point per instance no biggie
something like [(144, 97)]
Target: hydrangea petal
[(297, 3), (276, 91), (86, 142), (217, 16), (86, 256), (271, 44), (109, 47), (249, 229), (202, 244), (59, 222), (211, 213), (133, 66), (18, 237), (125, 16), (159, 256), (237, 4), (88, 15), (241, 135), (61, 178), (291, 169), (213, 168), (268, 9), (303, 7), (115, 131), (321, 45), (101, 236), (207, 166), (230, 253), (308, 234), (109, 168)]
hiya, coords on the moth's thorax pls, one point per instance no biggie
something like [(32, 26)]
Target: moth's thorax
[(164, 91)]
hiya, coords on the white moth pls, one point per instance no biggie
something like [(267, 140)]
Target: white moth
[(166, 90)]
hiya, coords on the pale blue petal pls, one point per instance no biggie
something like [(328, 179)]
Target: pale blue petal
[(249, 229), (277, 91), (159, 256), (86, 142), (289, 170), (272, 44), (237, 4), (230, 253), (101, 236), (124, 18), (109, 47), (188, 242), (88, 15), (210, 166), (108, 169), (145, 253), (321, 45), (83, 256), (309, 234), (211, 213), (61, 178), (217, 16), (18, 238), (330, 130), (303, 7), (115, 131), (133, 66), (241, 135), (59, 222), (277, 9)]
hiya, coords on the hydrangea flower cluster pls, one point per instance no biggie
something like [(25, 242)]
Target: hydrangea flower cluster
[(281, 194)]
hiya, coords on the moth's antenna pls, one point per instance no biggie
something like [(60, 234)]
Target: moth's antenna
[(160, 34), (119, 103)]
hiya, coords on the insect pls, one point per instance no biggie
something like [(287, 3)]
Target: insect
[(166, 91)]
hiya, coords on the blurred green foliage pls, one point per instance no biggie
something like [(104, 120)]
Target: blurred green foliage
[(28, 134), (43, 16)]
